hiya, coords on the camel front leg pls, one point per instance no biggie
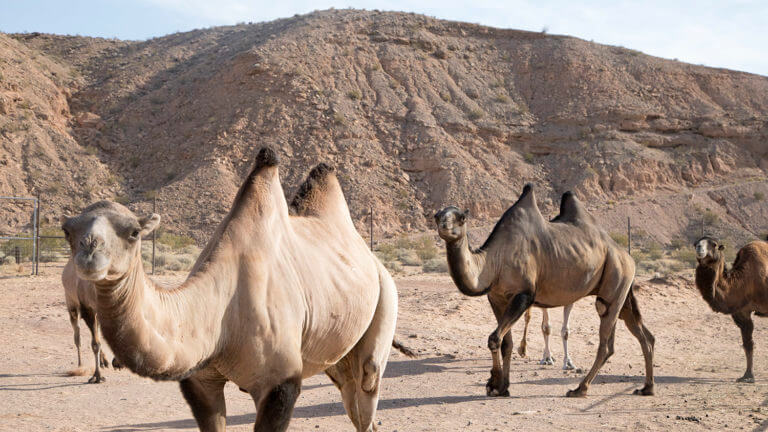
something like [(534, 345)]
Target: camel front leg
[(90, 320), (546, 358), (744, 321), (564, 333), (498, 384), (276, 407), (204, 392), (74, 316)]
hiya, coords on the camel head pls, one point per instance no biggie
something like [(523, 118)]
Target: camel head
[(708, 250), (451, 223), (105, 240)]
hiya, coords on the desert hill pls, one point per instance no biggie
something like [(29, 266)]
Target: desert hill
[(415, 112)]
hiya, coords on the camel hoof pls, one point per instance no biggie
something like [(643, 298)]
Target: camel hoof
[(568, 365), (576, 393), (549, 361), (492, 392), (645, 391), (746, 379), (521, 350), (96, 379)]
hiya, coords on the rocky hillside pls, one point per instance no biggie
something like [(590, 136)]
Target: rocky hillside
[(417, 113)]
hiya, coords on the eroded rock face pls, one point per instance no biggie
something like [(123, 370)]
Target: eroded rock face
[(416, 113)]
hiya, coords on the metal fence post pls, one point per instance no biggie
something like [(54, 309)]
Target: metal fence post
[(34, 235), (371, 227), (37, 238), (154, 210), (629, 236)]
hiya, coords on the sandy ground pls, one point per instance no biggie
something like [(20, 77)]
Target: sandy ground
[(698, 357)]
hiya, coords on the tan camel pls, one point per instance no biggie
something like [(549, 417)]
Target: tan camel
[(738, 291), (80, 298), (271, 300), (529, 261), (565, 331)]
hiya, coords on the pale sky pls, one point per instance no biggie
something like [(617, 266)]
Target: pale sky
[(726, 33)]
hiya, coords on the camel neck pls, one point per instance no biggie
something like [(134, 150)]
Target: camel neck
[(712, 283), (162, 333), (466, 267)]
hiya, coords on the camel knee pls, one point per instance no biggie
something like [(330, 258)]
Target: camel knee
[(370, 381), (564, 333), (545, 329), (602, 307), (95, 346), (494, 342)]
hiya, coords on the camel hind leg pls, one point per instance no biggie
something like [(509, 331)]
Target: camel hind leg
[(565, 331), (611, 294), (630, 314), (546, 358), (358, 375), (524, 341), (744, 321), (74, 317)]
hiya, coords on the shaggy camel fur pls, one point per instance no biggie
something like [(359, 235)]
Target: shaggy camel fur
[(80, 298), (565, 331), (271, 300), (529, 261), (738, 291)]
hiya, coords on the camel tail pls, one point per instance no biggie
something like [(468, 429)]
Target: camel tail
[(403, 349)]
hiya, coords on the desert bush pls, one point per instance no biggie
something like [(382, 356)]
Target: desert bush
[(174, 241), (435, 265), (475, 114), (386, 252), (529, 158), (500, 98), (654, 251), (174, 264), (404, 243), (710, 218), (393, 266), (685, 255), (759, 196), (620, 238), (408, 257), (354, 94), (425, 248)]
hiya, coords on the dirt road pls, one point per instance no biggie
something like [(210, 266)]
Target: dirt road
[(698, 357)]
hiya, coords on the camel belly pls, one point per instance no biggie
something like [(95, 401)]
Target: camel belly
[(333, 330)]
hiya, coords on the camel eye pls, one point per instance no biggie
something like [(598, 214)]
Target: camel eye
[(135, 235)]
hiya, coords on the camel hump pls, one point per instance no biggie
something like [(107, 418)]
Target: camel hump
[(320, 195), (527, 197), (267, 157), (309, 195), (571, 210)]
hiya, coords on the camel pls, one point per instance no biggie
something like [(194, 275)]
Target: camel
[(271, 300), (737, 291), (565, 331), (529, 261), (80, 298)]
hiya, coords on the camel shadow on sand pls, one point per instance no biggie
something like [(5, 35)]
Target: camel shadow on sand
[(320, 410), (36, 386), (614, 379), (394, 369)]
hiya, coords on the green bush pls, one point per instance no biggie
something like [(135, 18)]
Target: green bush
[(654, 251), (175, 242), (620, 239), (759, 196), (408, 257), (685, 255), (386, 252)]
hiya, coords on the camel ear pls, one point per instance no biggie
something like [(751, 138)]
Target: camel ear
[(148, 224), (721, 247), (64, 218), (462, 216)]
